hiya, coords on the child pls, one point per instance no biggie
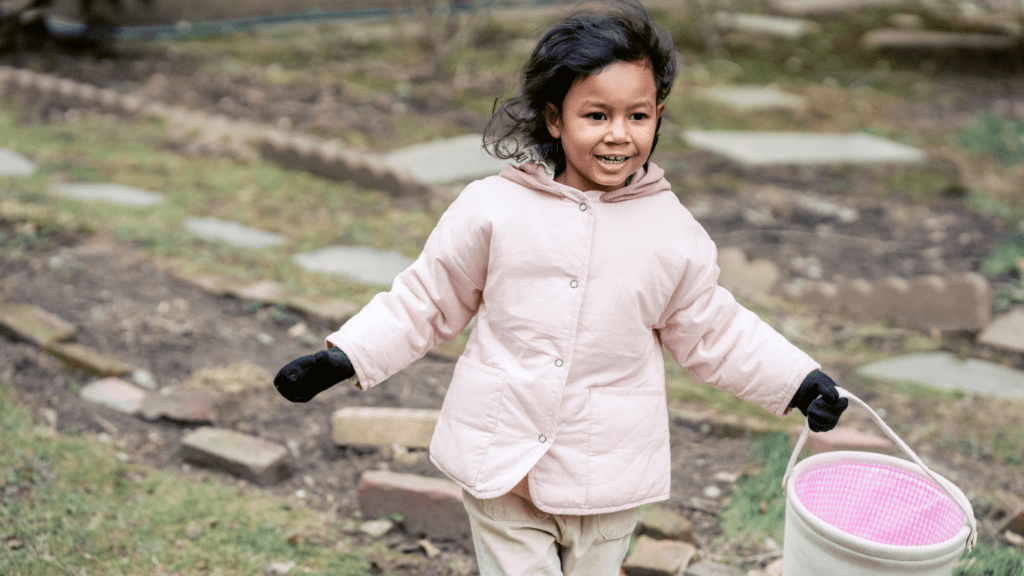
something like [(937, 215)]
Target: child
[(555, 423)]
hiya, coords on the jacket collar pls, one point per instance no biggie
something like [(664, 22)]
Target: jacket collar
[(535, 177)]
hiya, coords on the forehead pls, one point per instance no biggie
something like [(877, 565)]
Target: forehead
[(627, 82)]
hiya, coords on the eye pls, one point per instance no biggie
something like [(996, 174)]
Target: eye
[(638, 117), (596, 115)]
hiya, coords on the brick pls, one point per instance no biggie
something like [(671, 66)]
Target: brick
[(842, 438), (245, 456), (652, 557), (356, 426), (331, 313), (186, 405), (708, 568), (33, 324), (266, 291), (926, 293), (87, 360), (115, 393), (966, 303), (657, 522), (430, 506), (890, 299), (854, 298)]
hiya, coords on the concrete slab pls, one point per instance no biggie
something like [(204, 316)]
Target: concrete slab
[(33, 324), (452, 160), (752, 98), (766, 25), (112, 193), (371, 426), (248, 457), (14, 164), (947, 372), (361, 263), (115, 393), (801, 148), (233, 233), (1006, 331)]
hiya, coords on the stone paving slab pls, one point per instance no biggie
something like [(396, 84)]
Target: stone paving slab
[(14, 164), (902, 38), (817, 7), (87, 360), (766, 24), (802, 148), (429, 506), (248, 457), (233, 233), (358, 426), (752, 98), (33, 324), (112, 193), (947, 372), (452, 160), (115, 393), (1006, 331), (361, 263)]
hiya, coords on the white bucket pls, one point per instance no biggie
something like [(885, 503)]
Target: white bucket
[(860, 514)]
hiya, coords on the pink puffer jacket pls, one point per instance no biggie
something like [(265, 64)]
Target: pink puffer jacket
[(574, 294)]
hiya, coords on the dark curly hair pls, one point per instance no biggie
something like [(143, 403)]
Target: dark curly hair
[(593, 36)]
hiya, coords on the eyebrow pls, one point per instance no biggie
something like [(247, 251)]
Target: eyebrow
[(597, 104)]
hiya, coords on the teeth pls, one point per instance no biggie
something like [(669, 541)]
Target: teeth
[(613, 159)]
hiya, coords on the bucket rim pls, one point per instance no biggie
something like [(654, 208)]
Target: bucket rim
[(860, 544)]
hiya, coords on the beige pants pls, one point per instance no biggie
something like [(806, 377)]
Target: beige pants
[(514, 538)]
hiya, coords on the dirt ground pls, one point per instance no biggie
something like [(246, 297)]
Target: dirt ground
[(125, 305)]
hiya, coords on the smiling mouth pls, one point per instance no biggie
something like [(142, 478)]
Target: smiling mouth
[(613, 159)]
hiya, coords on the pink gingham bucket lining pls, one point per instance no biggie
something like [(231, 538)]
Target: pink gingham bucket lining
[(879, 503)]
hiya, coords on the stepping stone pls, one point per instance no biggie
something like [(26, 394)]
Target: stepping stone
[(361, 263), (751, 98), (33, 324), (112, 193), (902, 38), (947, 372), (775, 26), (355, 426), (817, 7), (14, 164), (652, 557), (233, 233), (805, 149), (1006, 332), (453, 160), (245, 456), (115, 393)]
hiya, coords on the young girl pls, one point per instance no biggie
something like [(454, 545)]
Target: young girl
[(555, 423)]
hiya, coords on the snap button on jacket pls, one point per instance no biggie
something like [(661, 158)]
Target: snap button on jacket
[(575, 294)]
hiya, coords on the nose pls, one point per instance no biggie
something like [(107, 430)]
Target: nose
[(617, 131)]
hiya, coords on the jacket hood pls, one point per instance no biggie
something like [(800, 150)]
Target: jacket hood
[(535, 177)]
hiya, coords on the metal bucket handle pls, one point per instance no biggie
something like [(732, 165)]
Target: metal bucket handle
[(957, 497)]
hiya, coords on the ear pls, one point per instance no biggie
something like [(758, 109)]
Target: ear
[(553, 119), (660, 110)]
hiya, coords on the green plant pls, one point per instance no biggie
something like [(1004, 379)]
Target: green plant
[(991, 560), (757, 507), (994, 135), (1006, 256)]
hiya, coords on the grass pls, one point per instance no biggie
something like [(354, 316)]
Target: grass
[(311, 211), (70, 505)]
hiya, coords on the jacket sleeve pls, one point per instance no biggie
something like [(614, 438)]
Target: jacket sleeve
[(727, 345), (430, 302)]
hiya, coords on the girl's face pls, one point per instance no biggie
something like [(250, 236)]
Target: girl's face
[(607, 125)]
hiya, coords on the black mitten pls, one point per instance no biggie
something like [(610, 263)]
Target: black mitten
[(303, 378), (819, 401)]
